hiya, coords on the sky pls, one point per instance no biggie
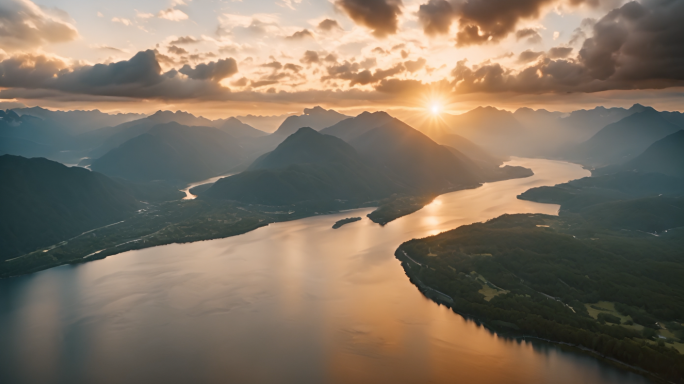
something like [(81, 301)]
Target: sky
[(221, 58)]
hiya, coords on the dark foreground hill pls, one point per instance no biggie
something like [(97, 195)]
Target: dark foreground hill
[(608, 292), (43, 202), (172, 152), (306, 166), (413, 159)]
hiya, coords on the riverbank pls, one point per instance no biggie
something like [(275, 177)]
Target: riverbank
[(531, 254)]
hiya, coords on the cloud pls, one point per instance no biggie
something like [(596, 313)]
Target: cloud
[(300, 35), (310, 57), (143, 15), (352, 72), (436, 16), (637, 42), (215, 70), (329, 25), (486, 21), (533, 37), (415, 65), (559, 52), (184, 40), (177, 50), (125, 22), (24, 25), (380, 16), (368, 63), (275, 65), (172, 14), (293, 67), (527, 56), (106, 48), (139, 77)]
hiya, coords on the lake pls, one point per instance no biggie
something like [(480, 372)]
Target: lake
[(293, 302)]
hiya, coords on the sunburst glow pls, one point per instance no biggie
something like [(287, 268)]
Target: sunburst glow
[(435, 109)]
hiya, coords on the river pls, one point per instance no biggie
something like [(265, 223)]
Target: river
[(293, 302)]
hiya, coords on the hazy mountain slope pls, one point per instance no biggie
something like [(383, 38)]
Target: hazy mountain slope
[(306, 166), (263, 123), (43, 202), (624, 140), (583, 124), (349, 129), (238, 129), (34, 129), (495, 130), (172, 152), (316, 118), (76, 122), (413, 159), (25, 148), (105, 139), (665, 156)]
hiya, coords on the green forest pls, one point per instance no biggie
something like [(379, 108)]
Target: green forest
[(545, 276)]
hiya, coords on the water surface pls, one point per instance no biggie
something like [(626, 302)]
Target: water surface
[(295, 302)]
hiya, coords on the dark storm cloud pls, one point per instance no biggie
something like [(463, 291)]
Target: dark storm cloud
[(638, 43), (636, 46), (533, 37), (485, 21), (329, 25), (436, 16), (139, 77), (482, 21), (381, 16)]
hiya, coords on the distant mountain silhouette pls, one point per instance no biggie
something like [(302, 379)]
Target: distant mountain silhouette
[(665, 156), (34, 129), (585, 123), (316, 118), (238, 129), (497, 131), (351, 128), (307, 166), (172, 152), (105, 139), (77, 122), (43, 202), (622, 141)]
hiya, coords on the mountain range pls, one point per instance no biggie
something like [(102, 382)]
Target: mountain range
[(43, 202), (172, 152)]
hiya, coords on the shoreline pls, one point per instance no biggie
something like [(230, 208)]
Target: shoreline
[(441, 298)]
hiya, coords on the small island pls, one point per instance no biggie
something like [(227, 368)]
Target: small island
[(345, 221)]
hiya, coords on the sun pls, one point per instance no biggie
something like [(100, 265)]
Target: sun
[(435, 109)]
